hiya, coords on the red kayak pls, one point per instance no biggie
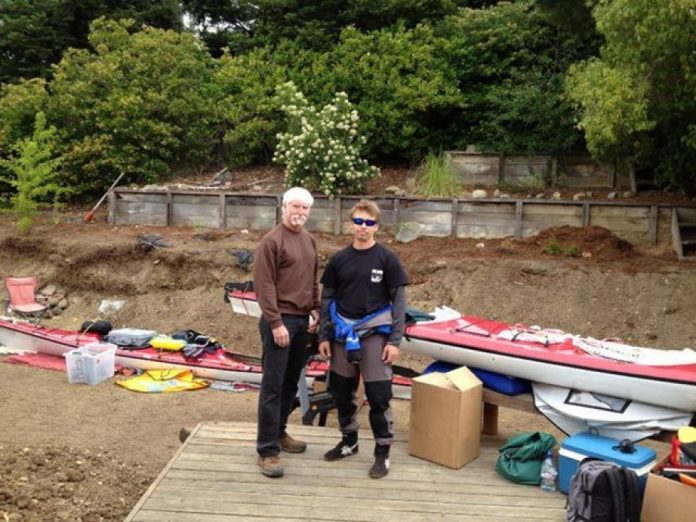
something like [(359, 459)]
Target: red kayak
[(665, 378), (219, 365)]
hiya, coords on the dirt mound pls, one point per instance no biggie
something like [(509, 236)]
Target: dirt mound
[(590, 242)]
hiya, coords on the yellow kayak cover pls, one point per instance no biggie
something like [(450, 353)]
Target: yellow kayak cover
[(164, 381), (164, 342)]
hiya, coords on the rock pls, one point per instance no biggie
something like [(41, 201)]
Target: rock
[(74, 475), (56, 311), (504, 196), (393, 189), (628, 194), (534, 269), (612, 195), (578, 196), (53, 301), (540, 195), (479, 194), (257, 188), (438, 264), (496, 193), (23, 502), (481, 245), (556, 195), (586, 254), (408, 232), (49, 290), (63, 304)]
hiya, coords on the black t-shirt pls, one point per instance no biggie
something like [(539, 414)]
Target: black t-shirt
[(361, 279)]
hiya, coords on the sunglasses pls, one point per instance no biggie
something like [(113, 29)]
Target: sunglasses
[(366, 222)]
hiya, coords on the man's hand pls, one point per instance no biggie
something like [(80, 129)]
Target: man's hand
[(281, 336), (325, 349), (390, 353), (313, 322)]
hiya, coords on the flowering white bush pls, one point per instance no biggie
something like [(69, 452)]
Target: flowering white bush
[(321, 150)]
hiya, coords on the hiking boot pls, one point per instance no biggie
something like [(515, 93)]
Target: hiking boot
[(342, 450), (381, 466), (270, 466), (287, 443)]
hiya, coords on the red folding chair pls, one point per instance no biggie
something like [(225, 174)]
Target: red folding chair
[(21, 297)]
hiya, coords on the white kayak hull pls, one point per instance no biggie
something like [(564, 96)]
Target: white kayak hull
[(668, 394), (575, 412)]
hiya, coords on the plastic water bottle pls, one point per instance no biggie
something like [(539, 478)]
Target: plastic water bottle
[(548, 473)]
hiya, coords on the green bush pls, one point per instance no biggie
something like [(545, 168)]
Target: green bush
[(248, 105), (404, 89), (321, 149), (140, 103)]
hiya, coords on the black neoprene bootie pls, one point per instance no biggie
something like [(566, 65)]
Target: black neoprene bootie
[(347, 447), (380, 468)]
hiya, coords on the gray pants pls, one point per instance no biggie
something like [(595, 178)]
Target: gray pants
[(377, 376)]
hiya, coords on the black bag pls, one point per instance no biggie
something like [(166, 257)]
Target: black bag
[(98, 327), (602, 491)]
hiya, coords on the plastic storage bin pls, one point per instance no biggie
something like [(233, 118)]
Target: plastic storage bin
[(90, 364), (130, 337), (576, 448)]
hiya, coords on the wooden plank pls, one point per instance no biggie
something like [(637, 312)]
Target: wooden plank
[(676, 235), (214, 477), (111, 216), (519, 211), (222, 209), (170, 209), (337, 216), (652, 227)]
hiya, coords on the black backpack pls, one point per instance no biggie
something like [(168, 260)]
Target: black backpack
[(602, 491)]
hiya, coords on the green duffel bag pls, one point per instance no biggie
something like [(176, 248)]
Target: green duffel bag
[(520, 458)]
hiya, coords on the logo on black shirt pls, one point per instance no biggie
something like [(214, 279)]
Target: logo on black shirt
[(376, 276)]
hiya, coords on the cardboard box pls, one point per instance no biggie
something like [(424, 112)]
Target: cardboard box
[(667, 500), (446, 417)]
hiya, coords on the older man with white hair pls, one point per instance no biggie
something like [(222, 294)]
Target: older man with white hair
[(285, 280)]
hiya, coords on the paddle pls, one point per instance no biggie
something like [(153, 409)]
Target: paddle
[(90, 215)]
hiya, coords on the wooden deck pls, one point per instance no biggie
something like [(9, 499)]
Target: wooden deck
[(213, 477)]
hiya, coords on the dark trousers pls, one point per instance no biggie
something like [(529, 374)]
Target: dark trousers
[(281, 373)]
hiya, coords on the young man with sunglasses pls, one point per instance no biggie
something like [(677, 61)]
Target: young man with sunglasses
[(285, 280), (362, 322)]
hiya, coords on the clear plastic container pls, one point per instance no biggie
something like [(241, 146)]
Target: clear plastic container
[(91, 364)]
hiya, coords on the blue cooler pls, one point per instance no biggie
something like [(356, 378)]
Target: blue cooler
[(578, 447)]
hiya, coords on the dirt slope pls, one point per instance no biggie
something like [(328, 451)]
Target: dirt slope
[(72, 452)]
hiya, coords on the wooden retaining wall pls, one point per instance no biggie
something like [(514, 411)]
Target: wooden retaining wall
[(474, 168), (638, 223)]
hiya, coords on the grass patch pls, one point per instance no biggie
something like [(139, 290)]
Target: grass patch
[(554, 248), (435, 177)]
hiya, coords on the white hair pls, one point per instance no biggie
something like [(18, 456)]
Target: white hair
[(298, 194)]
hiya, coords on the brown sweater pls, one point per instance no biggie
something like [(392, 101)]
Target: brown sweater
[(285, 274)]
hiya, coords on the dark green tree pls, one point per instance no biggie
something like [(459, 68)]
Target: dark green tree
[(35, 33), (242, 24), (510, 61), (638, 99)]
